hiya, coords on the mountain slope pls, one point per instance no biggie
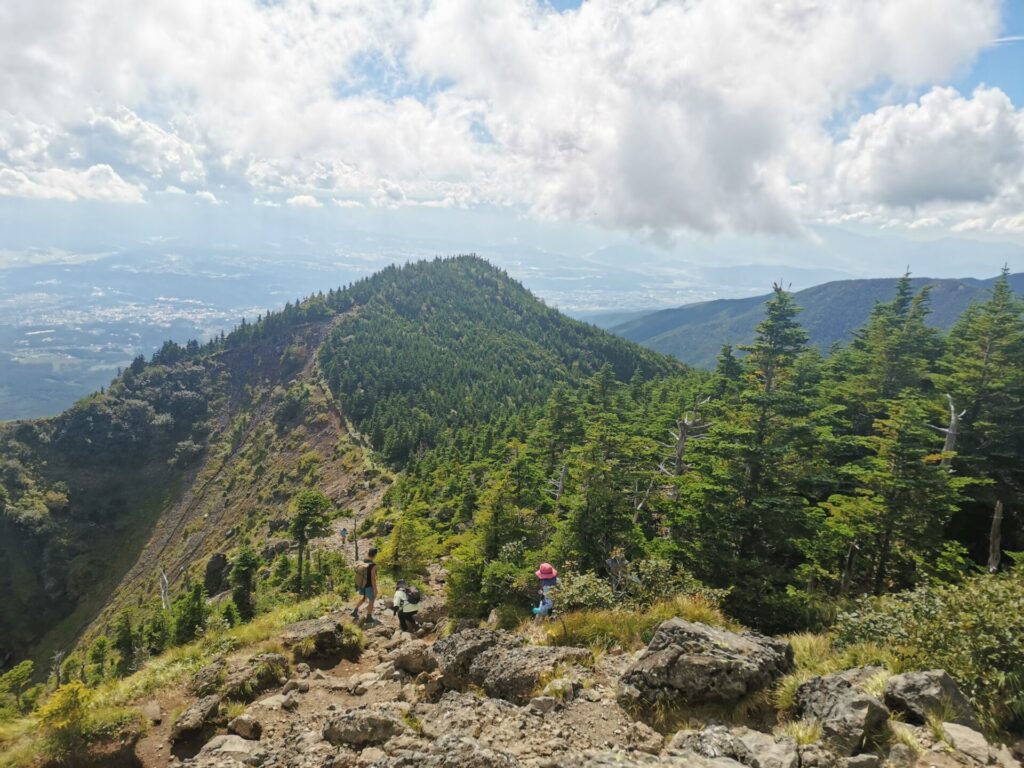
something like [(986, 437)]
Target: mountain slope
[(183, 457), (694, 333)]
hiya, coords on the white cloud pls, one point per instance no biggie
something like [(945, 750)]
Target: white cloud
[(99, 182), (347, 203), (945, 148), (208, 197), (304, 201), (653, 116), (265, 203), (170, 189)]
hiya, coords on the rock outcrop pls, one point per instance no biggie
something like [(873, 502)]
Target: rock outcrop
[(361, 728), (918, 694), (689, 664), (847, 714), (323, 638), (500, 663)]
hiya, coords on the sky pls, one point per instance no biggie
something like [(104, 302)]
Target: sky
[(846, 137)]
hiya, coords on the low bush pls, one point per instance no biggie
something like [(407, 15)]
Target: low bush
[(973, 630)]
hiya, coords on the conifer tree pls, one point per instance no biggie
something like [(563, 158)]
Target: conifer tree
[(311, 517)]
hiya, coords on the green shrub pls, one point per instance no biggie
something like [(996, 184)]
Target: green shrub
[(64, 721), (973, 630), (583, 592)]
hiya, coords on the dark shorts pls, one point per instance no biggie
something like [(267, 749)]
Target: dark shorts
[(366, 592)]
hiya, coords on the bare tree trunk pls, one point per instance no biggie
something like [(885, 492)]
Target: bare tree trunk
[(299, 578), (847, 577), (995, 538), (165, 590), (952, 431)]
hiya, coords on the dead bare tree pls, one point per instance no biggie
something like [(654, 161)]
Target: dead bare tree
[(951, 432), (691, 426), (558, 484), (165, 591), (995, 538)]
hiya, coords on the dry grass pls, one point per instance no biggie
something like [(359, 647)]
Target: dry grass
[(21, 742), (804, 732), (631, 629), (815, 655)]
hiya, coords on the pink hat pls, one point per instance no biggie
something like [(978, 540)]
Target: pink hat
[(546, 571)]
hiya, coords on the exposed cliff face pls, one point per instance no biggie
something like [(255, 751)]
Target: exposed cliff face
[(265, 428)]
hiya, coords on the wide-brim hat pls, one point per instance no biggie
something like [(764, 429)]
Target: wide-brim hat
[(546, 571)]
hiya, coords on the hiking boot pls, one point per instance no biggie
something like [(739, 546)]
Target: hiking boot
[(355, 613)]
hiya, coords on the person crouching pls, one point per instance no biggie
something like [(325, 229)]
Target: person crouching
[(405, 604)]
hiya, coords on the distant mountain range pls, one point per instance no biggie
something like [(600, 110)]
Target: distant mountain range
[(694, 333)]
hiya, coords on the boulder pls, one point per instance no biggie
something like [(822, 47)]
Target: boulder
[(232, 747), (196, 717), (768, 751), (917, 694), (246, 726), (514, 673), (543, 704), (866, 760), (152, 712), (361, 728), (968, 741), (322, 638), (596, 759), (687, 663), (848, 716), (208, 679), (714, 741), (456, 653), (215, 578), (901, 756), (256, 675), (449, 751), (414, 658)]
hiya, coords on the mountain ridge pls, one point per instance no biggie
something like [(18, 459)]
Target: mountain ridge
[(694, 333)]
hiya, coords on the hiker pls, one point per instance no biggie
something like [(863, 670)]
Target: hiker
[(366, 584), (344, 535), (405, 604), (543, 609), (548, 576)]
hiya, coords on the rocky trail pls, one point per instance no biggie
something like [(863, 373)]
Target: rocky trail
[(485, 698)]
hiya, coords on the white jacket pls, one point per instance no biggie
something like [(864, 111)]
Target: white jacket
[(401, 602)]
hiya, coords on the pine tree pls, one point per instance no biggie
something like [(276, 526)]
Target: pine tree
[(124, 643), (311, 518), (242, 579), (189, 613)]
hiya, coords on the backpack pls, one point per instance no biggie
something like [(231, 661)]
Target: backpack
[(413, 594), (363, 575)]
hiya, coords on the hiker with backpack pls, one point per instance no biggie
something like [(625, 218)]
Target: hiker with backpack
[(344, 535), (548, 576), (405, 604), (366, 584)]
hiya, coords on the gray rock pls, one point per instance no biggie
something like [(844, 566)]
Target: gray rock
[(360, 728), (450, 751), (196, 718), (275, 547), (713, 741), (848, 715), (456, 653), (918, 694), (768, 751), (257, 674), (598, 759), (968, 741), (230, 746), (543, 704), (866, 760), (690, 663), (321, 638), (514, 673), (246, 726), (817, 756), (209, 679), (152, 712), (414, 658), (901, 756)]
